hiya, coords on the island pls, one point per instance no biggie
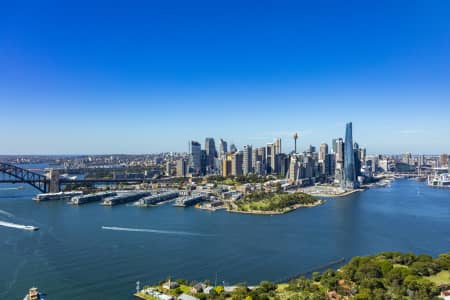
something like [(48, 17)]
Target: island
[(388, 275), (261, 202)]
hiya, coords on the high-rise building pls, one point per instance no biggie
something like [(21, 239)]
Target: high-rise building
[(233, 148), (334, 145), (227, 165), (211, 154), (323, 151), (223, 148), (258, 160), (339, 161), (247, 160), (349, 159), (182, 168), (294, 168), (204, 163), (277, 144), (195, 150), (270, 157), (236, 163)]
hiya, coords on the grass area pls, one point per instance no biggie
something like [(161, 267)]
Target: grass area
[(442, 277), (185, 288), (278, 202), (145, 296)]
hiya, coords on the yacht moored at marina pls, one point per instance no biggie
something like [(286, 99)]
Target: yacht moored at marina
[(441, 180)]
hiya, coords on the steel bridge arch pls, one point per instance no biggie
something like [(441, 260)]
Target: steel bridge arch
[(38, 181)]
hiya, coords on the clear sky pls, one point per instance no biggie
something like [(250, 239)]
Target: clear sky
[(147, 76)]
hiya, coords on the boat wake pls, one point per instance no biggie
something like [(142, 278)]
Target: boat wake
[(155, 231), (3, 212), (17, 226)]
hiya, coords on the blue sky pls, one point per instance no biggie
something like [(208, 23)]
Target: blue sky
[(147, 76)]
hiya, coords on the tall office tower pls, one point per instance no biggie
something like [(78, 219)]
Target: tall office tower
[(323, 151), (282, 164), (329, 164), (272, 149), (349, 159), (294, 168), (247, 160), (362, 155), (339, 156), (311, 149), (270, 157), (254, 158), (227, 165), (211, 153), (259, 160), (277, 144), (181, 167), (204, 163), (195, 153), (236, 163), (233, 148), (358, 163), (223, 149), (333, 145)]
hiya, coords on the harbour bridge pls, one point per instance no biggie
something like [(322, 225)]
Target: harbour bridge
[(52, 183)]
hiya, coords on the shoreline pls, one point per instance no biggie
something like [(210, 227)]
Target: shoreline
[(285, 211), (347, 193)]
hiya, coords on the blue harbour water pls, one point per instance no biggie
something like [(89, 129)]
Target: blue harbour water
[(72, 257)]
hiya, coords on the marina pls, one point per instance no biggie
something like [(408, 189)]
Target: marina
[(441, 180)]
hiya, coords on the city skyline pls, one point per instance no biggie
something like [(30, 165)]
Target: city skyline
[(144, 78)]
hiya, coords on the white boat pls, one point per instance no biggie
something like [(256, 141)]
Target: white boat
[(30, 227)]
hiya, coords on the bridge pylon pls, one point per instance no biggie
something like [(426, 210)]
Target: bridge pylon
[(53, 176)]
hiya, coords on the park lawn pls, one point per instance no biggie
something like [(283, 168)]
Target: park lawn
[(440, 278), (185, 288), (145, 296)]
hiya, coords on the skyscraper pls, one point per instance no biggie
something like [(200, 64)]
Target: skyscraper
[(270, 157), (339, 158), (349, 159), (195, 153), (211, 154), (323, 151), (181, 168), (236, 163), (247, 160), (223, 149)]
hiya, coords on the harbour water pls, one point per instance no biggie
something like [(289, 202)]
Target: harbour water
[(94, 252)]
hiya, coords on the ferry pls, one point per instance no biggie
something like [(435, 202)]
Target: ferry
[(34, 294)]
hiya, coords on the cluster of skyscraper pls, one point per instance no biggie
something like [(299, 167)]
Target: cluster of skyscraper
[(343, 165)]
